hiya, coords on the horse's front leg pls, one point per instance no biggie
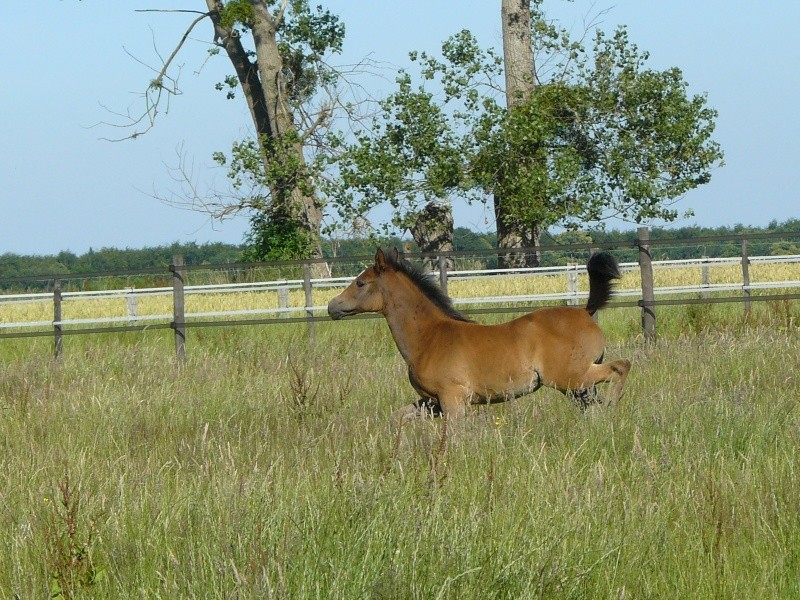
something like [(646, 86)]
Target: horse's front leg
[(453, 405)]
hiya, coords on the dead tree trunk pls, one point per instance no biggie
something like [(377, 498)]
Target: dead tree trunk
[(433, 232)]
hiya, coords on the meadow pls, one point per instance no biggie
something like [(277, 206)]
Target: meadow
[(265, 467)]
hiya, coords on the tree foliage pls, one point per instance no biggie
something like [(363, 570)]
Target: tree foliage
[(417, 148), (601, 136), (277, 50), (273, 173)]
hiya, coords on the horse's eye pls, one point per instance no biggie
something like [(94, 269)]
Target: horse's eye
[(360, 283)]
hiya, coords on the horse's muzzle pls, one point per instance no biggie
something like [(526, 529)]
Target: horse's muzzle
[(335, 310)]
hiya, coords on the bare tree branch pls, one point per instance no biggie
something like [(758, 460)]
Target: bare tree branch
[(279, 15), (188, 195), (157, 92), (160, 77)]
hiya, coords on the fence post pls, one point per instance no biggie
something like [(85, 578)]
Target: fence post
[(283, 300), (648, 294), (178, 306), (705, 278), (133, 305), (57, 339), (596, 315), (746, 278), (309, 300), (443, 273), (572, 284)]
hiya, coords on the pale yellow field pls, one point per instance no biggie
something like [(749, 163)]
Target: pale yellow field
[(663, 278), (490, 286)]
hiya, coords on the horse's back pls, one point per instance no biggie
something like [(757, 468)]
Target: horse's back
[(562, 321)]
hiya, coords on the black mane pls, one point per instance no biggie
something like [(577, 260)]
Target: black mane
[(426, 284)]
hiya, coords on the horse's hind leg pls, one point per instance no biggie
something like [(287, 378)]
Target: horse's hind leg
[(614, 372), (424, 407), (584, 397)]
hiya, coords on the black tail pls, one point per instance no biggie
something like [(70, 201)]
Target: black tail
[(603, 269)]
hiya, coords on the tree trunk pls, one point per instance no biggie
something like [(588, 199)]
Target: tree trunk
[(517, 52), (533, 239), (509, 237), (520, 73), (263, 84), (246, 71), (433, 232), (303, 206)]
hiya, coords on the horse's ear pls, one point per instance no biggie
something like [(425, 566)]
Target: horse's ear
[(395, 255), (380, 261)]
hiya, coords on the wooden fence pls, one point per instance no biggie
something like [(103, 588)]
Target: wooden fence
[(179, 323)]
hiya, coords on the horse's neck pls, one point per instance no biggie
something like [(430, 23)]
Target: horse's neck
[(411, 317)]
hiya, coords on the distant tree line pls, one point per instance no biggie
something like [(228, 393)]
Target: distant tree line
[(467, 240), (772, 247), (115, 259), (159, 257)]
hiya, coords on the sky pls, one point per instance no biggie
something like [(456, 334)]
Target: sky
[(71, 69)]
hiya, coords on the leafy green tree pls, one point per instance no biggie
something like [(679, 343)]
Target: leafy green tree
[(416, 150), (601, 136), (274, 236), (277, 51)]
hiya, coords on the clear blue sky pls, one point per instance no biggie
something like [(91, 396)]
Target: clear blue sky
[(65, 63)]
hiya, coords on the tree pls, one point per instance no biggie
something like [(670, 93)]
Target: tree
[(415, 152), (599, 135), (276, 50), (520, 78), (607, 138)]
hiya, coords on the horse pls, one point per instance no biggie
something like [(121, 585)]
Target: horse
[(454, 362)]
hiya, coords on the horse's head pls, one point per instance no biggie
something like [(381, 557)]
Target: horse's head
[(364, 294)]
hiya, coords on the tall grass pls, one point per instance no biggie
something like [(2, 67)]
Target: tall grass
[(265, 468)]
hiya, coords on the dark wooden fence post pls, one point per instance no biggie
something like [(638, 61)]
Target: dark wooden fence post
[(648, 294), (746, 278), (178, 306), (443, 273), (57, 339)]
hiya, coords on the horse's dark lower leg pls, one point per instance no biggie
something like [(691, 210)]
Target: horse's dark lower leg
[(585, 397), (424, 407), (428, 407)]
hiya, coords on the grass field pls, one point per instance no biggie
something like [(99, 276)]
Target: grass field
[(265, 468)]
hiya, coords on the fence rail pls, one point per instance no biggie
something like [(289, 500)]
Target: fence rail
[(180, 319)]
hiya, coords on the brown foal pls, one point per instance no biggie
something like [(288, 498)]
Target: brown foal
[(454, 362)]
